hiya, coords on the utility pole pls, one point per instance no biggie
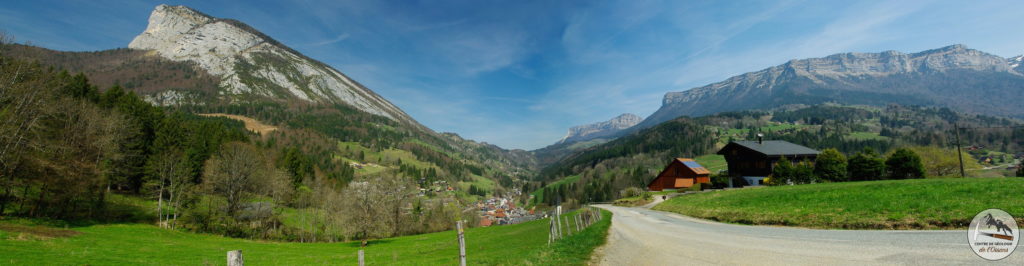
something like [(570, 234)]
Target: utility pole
[(958, 152)]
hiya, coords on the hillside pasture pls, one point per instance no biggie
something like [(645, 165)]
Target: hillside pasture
[(948, 203)]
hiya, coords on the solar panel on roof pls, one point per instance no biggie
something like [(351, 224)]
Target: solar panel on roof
[(692, 164)]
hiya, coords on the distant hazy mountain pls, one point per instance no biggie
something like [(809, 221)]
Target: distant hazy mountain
[(954, 76), (600, 129), (250, 64)]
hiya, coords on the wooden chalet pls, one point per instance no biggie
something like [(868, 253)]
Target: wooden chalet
[(680, 173), (754, 160)]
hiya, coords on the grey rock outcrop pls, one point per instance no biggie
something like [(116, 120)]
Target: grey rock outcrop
[(601, 129), (252, 65)]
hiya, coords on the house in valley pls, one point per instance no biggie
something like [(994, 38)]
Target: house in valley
[(681, 173), (754, 160)]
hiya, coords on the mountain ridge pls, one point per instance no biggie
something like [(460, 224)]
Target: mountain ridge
[(863, 78), (600, 129)]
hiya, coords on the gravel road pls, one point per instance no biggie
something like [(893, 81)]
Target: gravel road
[(640, 236)]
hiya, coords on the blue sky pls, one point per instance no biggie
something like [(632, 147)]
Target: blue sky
[(519, 73)]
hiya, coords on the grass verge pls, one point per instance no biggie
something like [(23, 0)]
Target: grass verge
[(120, 244), (890, 204)]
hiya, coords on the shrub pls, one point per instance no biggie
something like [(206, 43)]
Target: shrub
[(1020, 169), (865, 165), (903, 164), (631, 192), (831, 166), (786, 172), (720, 180)]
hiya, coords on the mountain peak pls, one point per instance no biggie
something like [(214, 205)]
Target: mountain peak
[(955, 47), (601, 129), (253, 66)]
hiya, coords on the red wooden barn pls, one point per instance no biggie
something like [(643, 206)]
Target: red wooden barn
[(680, 173)]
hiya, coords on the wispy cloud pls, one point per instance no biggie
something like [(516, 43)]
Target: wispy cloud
[(342, 37)]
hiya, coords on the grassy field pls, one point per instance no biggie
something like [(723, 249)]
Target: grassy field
[(866, 136), (891, 204), (120, 244)]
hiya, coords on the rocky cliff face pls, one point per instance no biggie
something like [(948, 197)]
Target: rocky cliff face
[(601, 129), (953, 76), (1016, 63), (251, 65)]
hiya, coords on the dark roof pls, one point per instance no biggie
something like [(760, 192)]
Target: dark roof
[(772, 147)]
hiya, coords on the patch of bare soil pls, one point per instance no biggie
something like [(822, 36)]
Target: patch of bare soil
[(250, 124), (43, 232)]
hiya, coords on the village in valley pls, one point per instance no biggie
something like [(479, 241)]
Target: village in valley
[(499, 210)]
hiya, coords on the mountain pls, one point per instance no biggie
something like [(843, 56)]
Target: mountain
[(1016, 63), (600, 129), (190, 62), (955, 76), (251, 65)]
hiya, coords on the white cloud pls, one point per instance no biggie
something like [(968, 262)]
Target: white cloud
[(342, 37)]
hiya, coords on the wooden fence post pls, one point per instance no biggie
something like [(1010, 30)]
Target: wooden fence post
[(558, 219), (362, 260), (235, 258), (551, 230), (462, 245), (568, 226), (577, 218)]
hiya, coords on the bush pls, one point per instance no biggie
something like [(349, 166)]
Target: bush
[(831, 166), (904, 164), (631, 192), (865, 165), (786, 172), (720, 180), (1020, 169)]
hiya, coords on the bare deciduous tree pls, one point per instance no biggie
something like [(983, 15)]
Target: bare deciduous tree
[(233, 172), (395, 193), (363, 210)]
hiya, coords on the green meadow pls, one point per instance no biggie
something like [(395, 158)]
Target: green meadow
[(890, 204), (24, 243)]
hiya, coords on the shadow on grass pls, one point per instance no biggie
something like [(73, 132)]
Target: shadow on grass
[(110, 213)]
